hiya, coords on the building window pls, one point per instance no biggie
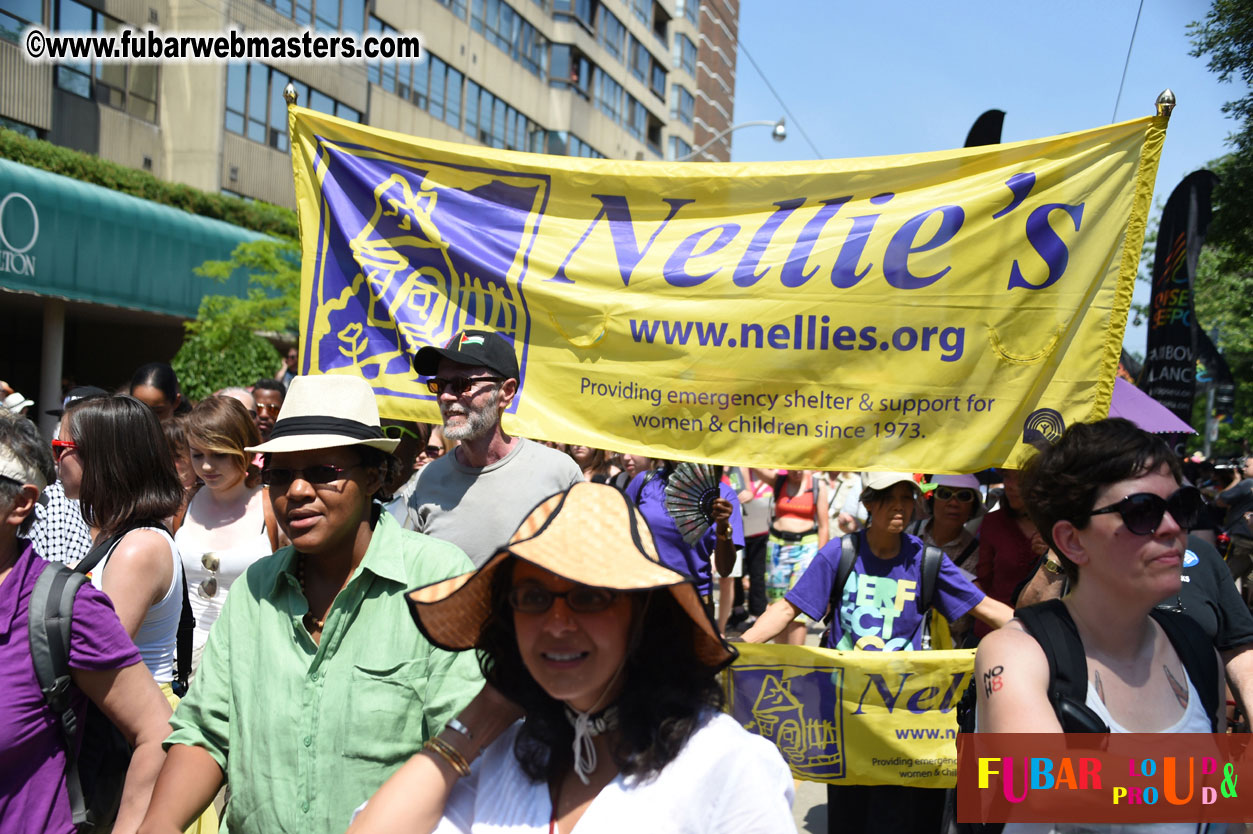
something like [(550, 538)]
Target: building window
[(256, 109), (678, 149), (16, 15), (496, 124), (131, 89), (611, 33), (685, 54), (682, 104), (511, 33), (570, 69), (430, 83), (563, 143), (689, 9), (327, 15), (658, 85), (643, 10), (610, 96), (578, 10), (457, 7), (641, 62), (18, 127)]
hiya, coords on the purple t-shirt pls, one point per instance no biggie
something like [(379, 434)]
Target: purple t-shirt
[(879, 611), (32, 762), (692, 560)]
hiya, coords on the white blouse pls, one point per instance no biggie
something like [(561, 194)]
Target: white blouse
[(724, 779)]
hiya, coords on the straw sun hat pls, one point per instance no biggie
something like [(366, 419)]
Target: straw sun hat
[(323, 412), (590, 534)]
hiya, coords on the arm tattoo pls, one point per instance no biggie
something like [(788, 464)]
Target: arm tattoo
[(992, 680), (1100, 690), (1181, 692)]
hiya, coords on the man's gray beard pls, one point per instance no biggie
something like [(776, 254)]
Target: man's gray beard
[(479, 422)]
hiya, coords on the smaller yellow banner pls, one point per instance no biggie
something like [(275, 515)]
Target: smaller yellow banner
[(854, 718)]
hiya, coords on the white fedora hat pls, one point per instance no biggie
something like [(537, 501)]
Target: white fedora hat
[(324, 412)]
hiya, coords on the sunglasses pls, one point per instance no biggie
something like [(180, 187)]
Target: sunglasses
[(208, 588), (60, 447), (948, 494), (268, 408), (1143, 512), (434, 451), (319, 475), (582, 599), (458, 385)]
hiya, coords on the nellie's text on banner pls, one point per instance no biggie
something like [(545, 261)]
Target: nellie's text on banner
[(856, 717), (922, 312)]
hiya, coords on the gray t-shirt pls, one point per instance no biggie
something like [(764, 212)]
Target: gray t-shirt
[(479, 509)]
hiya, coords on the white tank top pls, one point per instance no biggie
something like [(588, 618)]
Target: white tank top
[(232, 562), (158, 634), (1193, 720)]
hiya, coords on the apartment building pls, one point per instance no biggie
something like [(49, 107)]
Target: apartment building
[(624, 79)]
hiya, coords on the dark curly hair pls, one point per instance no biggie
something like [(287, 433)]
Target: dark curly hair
[(660, 707), (1061, 483)]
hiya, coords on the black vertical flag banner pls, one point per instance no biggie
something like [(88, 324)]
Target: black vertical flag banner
[(986, 130), (1169, 374)]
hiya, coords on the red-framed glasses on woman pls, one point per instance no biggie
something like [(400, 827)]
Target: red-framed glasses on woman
[(60, 447)]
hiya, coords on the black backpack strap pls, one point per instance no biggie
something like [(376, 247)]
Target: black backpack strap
[(1196, 652), (932, 556), (848, 555), (1050, 624), (183, 644), (50, 616)]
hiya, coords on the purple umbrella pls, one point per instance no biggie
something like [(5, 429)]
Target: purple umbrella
[(1133, 404)]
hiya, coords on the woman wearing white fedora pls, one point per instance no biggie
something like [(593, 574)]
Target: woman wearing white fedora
[(308, 694), (611, 662)]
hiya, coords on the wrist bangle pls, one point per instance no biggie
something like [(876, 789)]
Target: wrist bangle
[(457, 727), (449, 754)]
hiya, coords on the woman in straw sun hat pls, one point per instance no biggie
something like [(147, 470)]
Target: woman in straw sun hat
[(610, 660)]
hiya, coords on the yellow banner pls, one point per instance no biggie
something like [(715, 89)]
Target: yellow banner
[(854, 718), (927, 312)]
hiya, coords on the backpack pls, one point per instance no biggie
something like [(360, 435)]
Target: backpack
[(95, 768), (931, 558), (1052, 627)]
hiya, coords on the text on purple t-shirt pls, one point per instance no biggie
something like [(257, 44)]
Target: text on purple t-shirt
[(879, 605)]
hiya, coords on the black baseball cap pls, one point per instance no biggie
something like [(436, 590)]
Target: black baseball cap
[(81, 392), (479, 348)]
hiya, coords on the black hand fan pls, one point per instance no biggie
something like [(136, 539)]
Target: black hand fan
[(690, 496)]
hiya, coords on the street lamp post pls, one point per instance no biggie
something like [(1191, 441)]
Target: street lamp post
[(778, 134)]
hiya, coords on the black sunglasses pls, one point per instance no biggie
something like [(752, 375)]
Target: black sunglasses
[(458, 385), (1142, 512), (582, 599), (319, 475)]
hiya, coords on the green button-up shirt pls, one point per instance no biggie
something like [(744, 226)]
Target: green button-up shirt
[(306, 732)]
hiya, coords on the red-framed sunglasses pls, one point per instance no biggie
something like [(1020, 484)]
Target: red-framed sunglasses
[(60, 447)]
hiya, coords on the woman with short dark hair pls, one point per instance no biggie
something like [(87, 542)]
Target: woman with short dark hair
[(1107, 499), (113, 457), (611, 662)]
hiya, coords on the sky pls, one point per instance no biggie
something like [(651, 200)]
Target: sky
[(888, 77)]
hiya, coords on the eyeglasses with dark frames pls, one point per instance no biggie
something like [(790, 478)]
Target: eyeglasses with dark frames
[(458, 385), (582, 599), (320, 475), (1142, 512)]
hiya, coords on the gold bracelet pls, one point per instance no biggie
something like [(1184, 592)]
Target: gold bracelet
[(449, 754)]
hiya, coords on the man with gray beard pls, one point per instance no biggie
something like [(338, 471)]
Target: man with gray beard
[(477, 496)]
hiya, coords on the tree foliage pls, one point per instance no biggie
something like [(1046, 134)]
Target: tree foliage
[(224, 344), (1223, 291)]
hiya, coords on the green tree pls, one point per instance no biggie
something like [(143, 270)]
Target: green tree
[(1223, 291), (224, 345)]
